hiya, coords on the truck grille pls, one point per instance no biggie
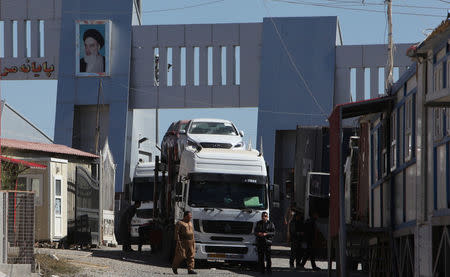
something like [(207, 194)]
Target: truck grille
[(227, 227), (215, 145), (226, 249)]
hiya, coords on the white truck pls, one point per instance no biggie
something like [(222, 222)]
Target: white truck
[(226, 191), (142, 189)]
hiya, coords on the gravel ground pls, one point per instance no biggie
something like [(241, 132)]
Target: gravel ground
[(108, 261)]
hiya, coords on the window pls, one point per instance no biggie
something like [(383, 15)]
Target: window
[(447, 115), (58, 198), (408, 128), (375, 155), (156, 67), (438, 78), (32, 183), (394, 140), (384, 162), (58, 187), (384, 142), (438, 123)]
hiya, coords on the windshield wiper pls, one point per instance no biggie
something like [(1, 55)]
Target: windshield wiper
[(211, 209)]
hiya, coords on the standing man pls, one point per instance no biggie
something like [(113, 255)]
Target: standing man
[(288, 217), (296, 229), (125, 225), (264, 231), (185, 243), (92, 61), (310, 232)]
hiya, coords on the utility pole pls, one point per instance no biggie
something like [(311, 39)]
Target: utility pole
[(390, 64), (97, 119)]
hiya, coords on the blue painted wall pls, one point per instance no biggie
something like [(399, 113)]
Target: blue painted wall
[(74, 90), (284, 100)]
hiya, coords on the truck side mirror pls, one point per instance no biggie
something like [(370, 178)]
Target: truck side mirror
[(178, 189), (241, 133)]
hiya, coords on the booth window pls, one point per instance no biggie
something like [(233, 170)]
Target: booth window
[(31, 183)]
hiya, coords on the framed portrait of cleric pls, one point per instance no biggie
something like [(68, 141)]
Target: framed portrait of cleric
[(93, 45)]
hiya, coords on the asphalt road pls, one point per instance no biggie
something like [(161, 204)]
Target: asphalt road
[(107, 261)]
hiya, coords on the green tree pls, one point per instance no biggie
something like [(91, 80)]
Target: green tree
[(10, 172)]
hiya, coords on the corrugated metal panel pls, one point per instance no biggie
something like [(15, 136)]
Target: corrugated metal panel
[(335, 165), (44, 147)]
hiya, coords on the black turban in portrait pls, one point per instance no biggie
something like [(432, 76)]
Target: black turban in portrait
[(93, 33)]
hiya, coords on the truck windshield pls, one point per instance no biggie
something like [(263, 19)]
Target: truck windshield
[(143, 189), (227, 195)]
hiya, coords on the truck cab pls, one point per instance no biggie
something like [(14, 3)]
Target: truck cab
[(142, 190), (226, 191)]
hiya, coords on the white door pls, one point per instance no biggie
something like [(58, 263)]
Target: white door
[(58, 202)]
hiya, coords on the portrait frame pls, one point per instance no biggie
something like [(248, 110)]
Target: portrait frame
[(103, 27)]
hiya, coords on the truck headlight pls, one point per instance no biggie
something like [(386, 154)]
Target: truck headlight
[(194, 144), (238, 145)]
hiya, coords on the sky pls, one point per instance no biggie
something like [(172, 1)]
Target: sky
[(361, 22)]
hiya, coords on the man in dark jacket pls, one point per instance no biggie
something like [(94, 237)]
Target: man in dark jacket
[(264, 232), (310, 231), (125, 225), (296, 229)]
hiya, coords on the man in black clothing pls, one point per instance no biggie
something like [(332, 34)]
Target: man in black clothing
[(264, 232), (125, 225), (310, 231), (296, 229)]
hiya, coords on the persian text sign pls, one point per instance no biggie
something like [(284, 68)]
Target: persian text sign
[(27, 69)]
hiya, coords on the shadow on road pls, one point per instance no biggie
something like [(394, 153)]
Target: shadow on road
[(244, 269)]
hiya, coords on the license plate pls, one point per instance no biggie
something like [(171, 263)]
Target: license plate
[(217, 255), (223, 256)]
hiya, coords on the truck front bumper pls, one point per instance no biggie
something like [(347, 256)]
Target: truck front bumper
[(226, 252)]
